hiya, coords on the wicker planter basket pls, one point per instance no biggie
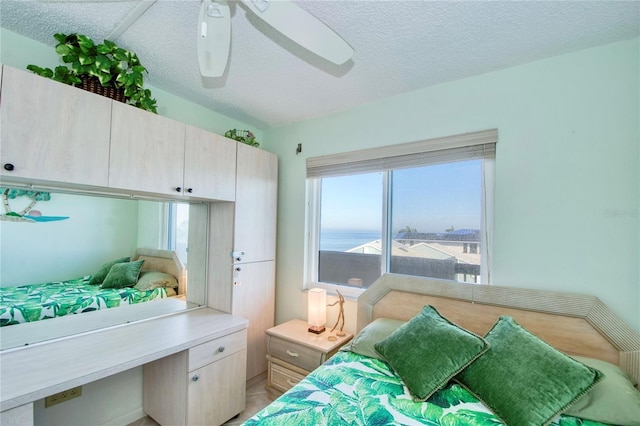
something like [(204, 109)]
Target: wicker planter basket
[(92, 84)]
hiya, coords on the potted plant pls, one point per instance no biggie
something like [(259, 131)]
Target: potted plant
[(244, 136), (96, 66)]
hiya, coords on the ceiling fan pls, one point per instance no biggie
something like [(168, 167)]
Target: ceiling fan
[(214, 32)]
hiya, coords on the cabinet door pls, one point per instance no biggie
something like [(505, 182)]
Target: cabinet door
[(254, 299), (52, 131), (147, 151), (256, 204), (209, 165), (217, 391), (164, 394), (19, 416)]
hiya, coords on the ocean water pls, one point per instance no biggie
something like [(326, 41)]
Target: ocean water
[(345, 240)]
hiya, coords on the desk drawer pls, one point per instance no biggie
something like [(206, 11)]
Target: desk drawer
[(282, 378), (296, 354), (216, 349)]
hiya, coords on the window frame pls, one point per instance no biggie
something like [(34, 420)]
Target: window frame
[(313, 197)]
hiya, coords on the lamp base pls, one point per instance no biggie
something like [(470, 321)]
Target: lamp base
[(317, 329)]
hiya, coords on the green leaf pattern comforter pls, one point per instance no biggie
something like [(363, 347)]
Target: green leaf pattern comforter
[(352, 389), (55, 299)]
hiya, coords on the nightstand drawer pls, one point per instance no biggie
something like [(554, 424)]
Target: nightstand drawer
[(293, 353), (282, 378), (206, 353)]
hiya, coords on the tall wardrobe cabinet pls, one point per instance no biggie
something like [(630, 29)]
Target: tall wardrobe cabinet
[(254, 249)]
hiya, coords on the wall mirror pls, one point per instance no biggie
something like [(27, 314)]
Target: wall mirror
[(62, 239)]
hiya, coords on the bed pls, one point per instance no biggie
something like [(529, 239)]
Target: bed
[(361, 386), (151, 274)]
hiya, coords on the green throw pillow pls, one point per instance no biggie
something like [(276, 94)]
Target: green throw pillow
[(428, 350), (150, 280), (371, 334), (613, 401), (123, 275), (522, 379), (99, 276)]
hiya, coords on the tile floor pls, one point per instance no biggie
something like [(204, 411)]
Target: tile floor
[(257, 398)]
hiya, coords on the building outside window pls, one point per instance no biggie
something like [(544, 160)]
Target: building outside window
[(426, 213)]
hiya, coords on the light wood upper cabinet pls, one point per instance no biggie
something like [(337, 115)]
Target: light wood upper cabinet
[(209, 165), (158, 155), (256, 204), (55, 133), (147, 151), (52, 132)]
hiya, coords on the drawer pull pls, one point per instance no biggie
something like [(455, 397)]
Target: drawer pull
[(221, 349), (291, 382), (195, 378), (293, 354)]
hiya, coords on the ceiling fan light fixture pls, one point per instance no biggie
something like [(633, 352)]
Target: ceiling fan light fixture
[(214, 10), (214, 40)]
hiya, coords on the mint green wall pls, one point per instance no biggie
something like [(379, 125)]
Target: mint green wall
[(567, 171), (18, 51)]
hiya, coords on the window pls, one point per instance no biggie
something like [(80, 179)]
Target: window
[(178, 230), (417, 209)]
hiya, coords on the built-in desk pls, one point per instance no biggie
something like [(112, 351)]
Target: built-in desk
[(36, 371)]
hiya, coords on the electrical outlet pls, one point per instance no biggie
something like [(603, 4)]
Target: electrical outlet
[(62, 396)]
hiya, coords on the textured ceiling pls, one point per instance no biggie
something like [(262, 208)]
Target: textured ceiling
[(399, 46)]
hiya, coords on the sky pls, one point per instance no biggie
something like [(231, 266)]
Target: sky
[(430, 199)]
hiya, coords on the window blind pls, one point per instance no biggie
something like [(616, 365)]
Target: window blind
[(464, 146)]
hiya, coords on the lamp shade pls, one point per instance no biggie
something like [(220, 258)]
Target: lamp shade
[(317, 309)]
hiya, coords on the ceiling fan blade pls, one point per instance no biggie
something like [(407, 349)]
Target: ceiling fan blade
[(303, 28), (214, 38)]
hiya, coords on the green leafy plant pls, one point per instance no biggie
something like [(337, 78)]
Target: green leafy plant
[(111, 65), (244, 136)]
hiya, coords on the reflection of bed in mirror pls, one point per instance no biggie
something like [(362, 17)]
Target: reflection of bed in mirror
[(160, 275)]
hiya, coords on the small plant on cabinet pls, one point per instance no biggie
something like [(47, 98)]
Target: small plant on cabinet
[(244, 136)]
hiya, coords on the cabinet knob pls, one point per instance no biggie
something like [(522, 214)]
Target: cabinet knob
[(238, 269), (189, 190), (195, 378), (9, 167), (221, 349), (178, 189)]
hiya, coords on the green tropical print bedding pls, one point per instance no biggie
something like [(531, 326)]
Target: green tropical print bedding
[(352, 389), (55, 299)]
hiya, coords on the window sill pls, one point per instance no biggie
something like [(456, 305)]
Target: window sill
[(349, 293)]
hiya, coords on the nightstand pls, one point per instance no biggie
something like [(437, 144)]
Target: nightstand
[(293, 352)]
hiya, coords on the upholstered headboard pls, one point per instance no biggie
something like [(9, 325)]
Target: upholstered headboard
[(164, 261), (573, 323)]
